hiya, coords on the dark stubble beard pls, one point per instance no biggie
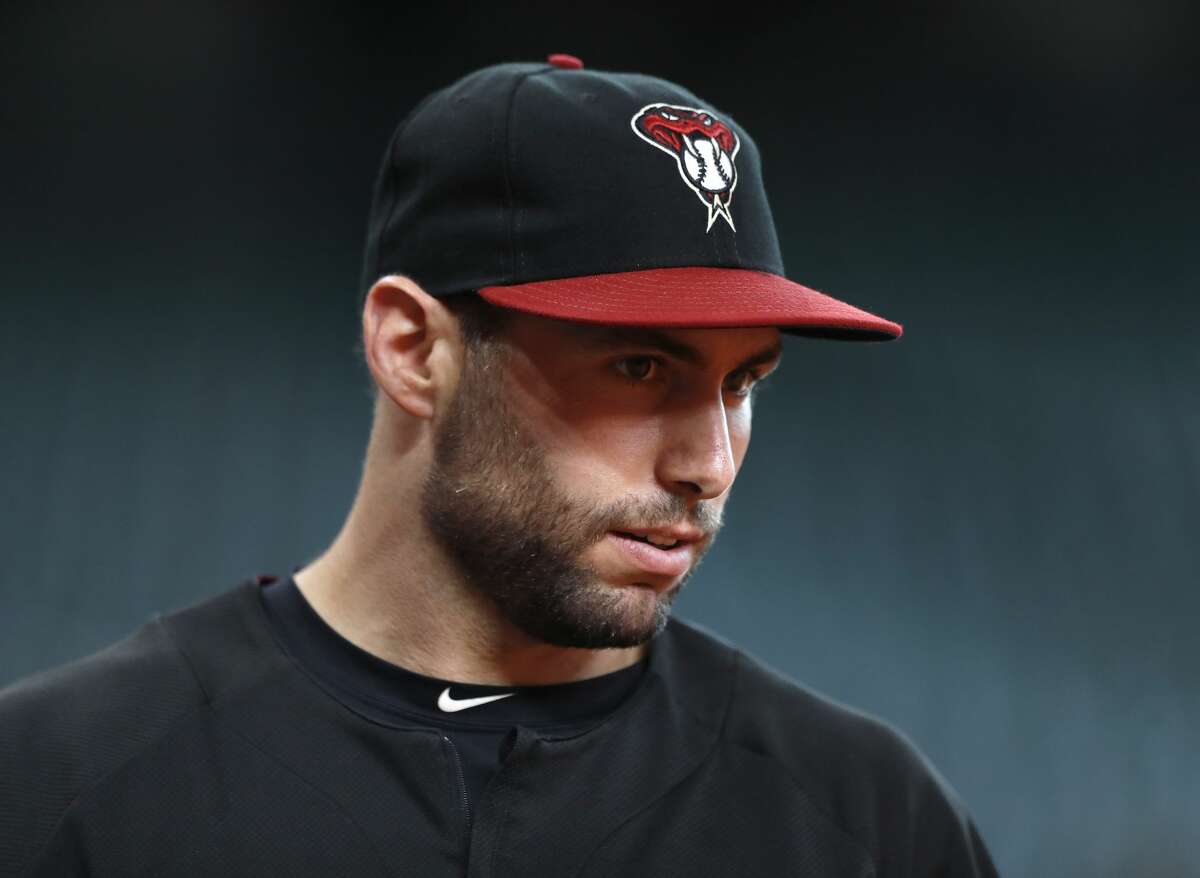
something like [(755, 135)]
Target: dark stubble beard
[(492, 504)]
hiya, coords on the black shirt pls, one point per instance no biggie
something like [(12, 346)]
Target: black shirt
[(197, 746), (480, 734)]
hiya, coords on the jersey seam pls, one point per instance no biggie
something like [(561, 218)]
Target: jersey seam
[(265, 673), (175, 728), (93, 785), (739, 662), (88, 788), (296, 774), (718, 737), (187, 661), (96, 782), (820, 811)]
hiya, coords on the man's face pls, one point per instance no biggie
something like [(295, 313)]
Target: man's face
[(563, 434)]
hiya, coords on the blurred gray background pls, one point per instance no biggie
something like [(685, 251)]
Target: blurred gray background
[(984, 533)]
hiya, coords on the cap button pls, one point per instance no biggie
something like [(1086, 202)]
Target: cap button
[(566, 62)]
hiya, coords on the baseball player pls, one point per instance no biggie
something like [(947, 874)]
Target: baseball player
[(572, 290)]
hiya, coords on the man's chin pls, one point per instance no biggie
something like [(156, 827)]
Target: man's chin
[(638, 617)]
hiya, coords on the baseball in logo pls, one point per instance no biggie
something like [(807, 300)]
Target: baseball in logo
[(703, 147)]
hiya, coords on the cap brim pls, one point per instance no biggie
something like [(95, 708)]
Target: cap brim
[(695, 297)]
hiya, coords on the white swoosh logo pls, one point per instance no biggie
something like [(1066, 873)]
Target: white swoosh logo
[(450, 705)]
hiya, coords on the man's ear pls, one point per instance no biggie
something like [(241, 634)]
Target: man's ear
[(411, 344)]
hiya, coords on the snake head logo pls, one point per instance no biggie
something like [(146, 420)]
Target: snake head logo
[(703, 147)]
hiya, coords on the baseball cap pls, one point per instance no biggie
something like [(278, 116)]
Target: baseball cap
[(590, 195)]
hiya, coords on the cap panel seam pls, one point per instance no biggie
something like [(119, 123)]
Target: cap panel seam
[(737, 256), (514, 250)]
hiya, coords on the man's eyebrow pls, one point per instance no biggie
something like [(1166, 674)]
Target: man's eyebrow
[(643, 336)]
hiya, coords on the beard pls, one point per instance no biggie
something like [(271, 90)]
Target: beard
[(492, 504)]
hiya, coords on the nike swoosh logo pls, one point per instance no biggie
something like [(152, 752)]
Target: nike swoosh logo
[(450, 705)]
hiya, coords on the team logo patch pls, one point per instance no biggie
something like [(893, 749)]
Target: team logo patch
[(703, 147)]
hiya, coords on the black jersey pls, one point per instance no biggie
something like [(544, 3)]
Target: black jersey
[(200, 746), (479, 732)]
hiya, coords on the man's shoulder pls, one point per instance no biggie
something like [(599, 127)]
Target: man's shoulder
[(143, 672), (818, 735), (780, 716), (862, 772), (66, 728), (111, 701)]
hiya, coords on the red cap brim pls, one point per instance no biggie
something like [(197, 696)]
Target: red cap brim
[(695, 297)]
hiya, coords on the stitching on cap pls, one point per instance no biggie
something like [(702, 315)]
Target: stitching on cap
[(741, 138), (508, 191)]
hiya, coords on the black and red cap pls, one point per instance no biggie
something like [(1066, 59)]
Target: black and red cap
[(614, 198)]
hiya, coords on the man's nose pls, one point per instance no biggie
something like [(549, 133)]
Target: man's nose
[(697, 458)]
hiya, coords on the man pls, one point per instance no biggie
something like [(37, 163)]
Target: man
[(572, 289)]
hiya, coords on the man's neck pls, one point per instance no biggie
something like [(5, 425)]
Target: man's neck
[(406, 609)]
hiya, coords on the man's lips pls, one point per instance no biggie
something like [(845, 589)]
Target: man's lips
[(674, 561)]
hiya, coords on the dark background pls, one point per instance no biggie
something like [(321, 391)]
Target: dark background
[(985, 533)]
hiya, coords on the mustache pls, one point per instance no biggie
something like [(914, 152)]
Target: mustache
[(668, 511)]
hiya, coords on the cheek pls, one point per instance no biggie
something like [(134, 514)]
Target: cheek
[(610, 453), (592, 448)]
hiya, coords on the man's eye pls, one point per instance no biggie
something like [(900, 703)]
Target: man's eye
[(746, 386), (642, 370), (636, 368)]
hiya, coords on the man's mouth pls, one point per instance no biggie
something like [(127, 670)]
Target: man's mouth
[(660, 542), (673, 558)]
